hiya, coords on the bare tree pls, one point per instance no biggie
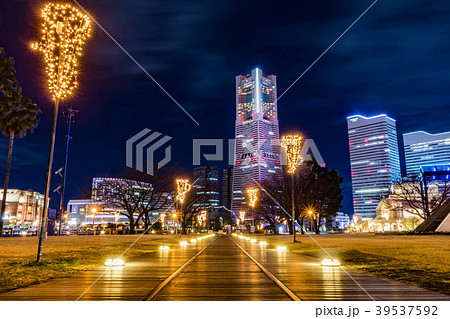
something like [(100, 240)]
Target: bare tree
[(411, 192), (316, 188), (158, 196), (127, 195), (193, 205), (274, 197)]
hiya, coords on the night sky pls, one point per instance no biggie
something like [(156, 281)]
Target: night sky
[(395, 60)]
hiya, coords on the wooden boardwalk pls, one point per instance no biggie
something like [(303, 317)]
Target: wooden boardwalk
[(218, 269)]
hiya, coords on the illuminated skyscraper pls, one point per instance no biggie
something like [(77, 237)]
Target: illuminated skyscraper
[(257, 151), (375, 163), (423, 148)]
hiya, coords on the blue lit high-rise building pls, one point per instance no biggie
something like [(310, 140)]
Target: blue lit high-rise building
[(257, 151), (375, 163), (422, 148)]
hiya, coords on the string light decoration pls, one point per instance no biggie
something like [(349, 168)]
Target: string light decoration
[(242, 216), (292, 145), (183, 187), (202, 217), (162, 218), (64, 32), (253, 196)]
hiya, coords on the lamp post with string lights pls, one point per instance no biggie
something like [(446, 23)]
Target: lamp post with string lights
[(64, 31), (292, 145)]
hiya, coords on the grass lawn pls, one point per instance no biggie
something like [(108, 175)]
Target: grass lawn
[(421, 260), (66, 255)]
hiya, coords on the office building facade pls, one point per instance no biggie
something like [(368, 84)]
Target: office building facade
[(227, 190), (257, 150), (422, 148), (206, 186), (375, 162)]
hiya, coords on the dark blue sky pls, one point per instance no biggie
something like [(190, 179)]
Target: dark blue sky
[(395, 61)]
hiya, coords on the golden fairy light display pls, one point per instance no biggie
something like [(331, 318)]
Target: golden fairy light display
[(64, 32), (183, 187), (201, 218), (203, 215), (292, 145), (242, 216), (253, 196)]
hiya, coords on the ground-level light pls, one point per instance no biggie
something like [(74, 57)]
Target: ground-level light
[(262, 243), (253, 240), (330, 262), (183, 243), (164, 248), (115, 262), (281, 248)]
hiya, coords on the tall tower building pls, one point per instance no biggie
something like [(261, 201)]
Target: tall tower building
[(257, 152), (423, 148), (375, 163)]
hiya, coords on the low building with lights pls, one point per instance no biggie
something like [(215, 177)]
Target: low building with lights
[(23, 207), (97, 211)]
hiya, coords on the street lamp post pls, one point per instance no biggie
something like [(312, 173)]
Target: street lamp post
[(64, 32), (292, 145), (69, 116), (310, 213)]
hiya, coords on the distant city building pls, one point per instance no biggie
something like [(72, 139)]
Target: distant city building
[(207, 185), (375, 163), (227, 190), (257, 152), (424, 148), (103, 188), (80, 211), (342, 220), (22, 207)]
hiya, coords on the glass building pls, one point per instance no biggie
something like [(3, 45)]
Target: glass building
[(207, 187), (374, 161), (257, 150), (422, 148)]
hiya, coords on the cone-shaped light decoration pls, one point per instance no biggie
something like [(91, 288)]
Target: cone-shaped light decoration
[(183, 187), (252, 196), (292, 145), (64, 32)]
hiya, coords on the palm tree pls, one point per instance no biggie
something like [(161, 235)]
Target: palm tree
[(18, 115), (7, 71)]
